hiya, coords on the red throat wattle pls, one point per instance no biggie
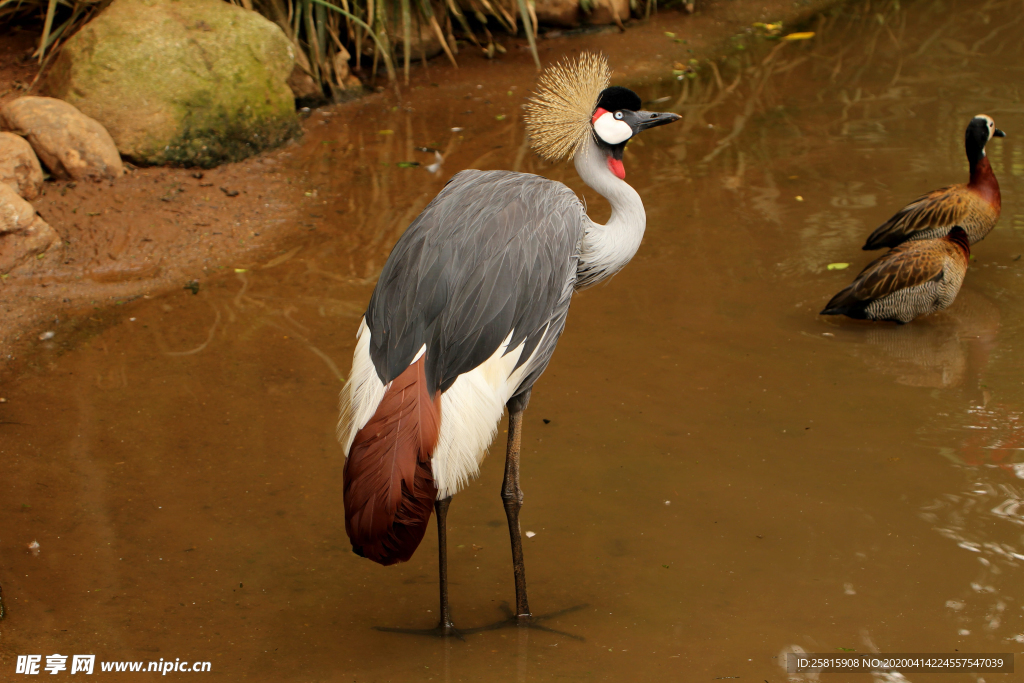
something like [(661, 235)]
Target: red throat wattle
[(616, 167)]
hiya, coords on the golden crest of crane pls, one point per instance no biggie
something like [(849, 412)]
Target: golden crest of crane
[(558, 114)]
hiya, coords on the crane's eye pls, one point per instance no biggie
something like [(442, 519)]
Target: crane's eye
[(618, 115)]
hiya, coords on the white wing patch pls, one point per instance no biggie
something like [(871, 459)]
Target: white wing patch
[(470, 411), (611, 130), (362, 392)]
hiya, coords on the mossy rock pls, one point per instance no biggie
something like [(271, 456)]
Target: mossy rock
[(186, 82)]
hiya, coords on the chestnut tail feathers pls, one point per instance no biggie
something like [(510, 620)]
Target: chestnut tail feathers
[(389, 484)]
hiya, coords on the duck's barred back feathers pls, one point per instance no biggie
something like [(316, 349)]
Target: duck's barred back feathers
[(558, 114)]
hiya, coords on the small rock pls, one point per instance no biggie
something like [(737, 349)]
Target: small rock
[(47, 335), (68, 142), (302, 85), (15, 213), (23, 234), (19, 166)]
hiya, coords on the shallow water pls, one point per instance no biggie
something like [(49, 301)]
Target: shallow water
[(715, 474)]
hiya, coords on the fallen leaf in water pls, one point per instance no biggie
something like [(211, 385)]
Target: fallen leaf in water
[(530, 534), (407, 164), (385, 132), (838, 266), (799, 36), (670, 34)]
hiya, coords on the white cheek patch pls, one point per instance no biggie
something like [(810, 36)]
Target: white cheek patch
[(988, 122), (611, 130)]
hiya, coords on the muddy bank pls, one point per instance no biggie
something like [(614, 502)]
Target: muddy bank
[(159, 229)]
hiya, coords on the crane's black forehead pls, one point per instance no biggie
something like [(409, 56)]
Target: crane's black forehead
[(617, 97)]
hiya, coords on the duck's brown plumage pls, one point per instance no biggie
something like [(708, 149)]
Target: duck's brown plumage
[(974, 205), (915, 278)]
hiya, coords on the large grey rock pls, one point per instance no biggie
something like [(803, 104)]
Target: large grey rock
[(19, 166), (558, 12), (568, 13), (69, 143), (608, 12), (23, 235), (181, 81)]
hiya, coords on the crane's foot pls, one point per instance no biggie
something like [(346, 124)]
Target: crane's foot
[(511, 620), (442, 630), (531, 621)]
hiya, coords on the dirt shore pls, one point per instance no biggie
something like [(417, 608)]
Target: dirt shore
[(158, 229)]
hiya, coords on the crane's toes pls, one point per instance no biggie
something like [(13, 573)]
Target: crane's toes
[(446, 629)]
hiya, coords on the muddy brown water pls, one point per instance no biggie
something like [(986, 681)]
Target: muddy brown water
[(715, 475)]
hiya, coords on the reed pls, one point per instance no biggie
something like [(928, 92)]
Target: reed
[(61, 18)]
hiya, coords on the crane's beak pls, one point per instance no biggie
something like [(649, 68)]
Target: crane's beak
[(999, 134), (652, 119)]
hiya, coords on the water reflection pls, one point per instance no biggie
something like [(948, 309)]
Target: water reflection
[(948, 350)]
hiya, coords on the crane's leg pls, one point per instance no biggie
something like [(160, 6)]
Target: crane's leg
[(441, 509), (512, 497)]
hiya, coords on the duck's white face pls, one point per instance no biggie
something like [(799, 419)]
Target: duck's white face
[(610, 127), (989, 123)]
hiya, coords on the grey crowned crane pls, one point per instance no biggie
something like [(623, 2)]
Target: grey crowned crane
[(466, 314)]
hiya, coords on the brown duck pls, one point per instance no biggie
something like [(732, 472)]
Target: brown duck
[(974, 205), (915, 278)]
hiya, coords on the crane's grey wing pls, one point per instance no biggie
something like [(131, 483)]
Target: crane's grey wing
[(494, 254)]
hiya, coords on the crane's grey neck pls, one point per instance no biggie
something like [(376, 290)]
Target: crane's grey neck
[(608, 248)]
